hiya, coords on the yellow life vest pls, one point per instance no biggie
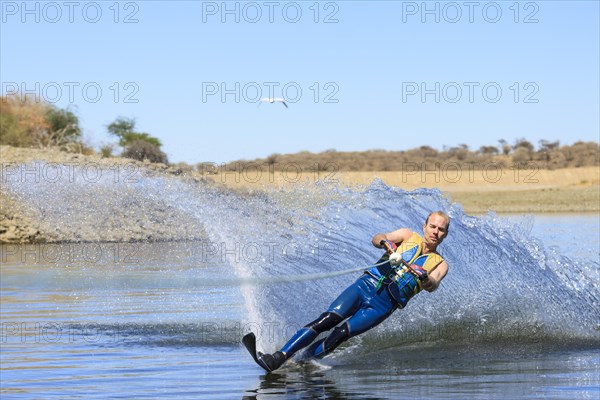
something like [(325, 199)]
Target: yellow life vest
[(410, 250)]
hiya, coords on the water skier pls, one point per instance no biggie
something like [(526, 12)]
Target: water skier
[(411, 264)]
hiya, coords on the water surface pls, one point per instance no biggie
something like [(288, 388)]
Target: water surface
[(515, 318)]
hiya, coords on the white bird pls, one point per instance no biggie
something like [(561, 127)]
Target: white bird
[(272, 100)]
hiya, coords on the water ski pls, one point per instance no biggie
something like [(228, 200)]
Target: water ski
[(249, 342)]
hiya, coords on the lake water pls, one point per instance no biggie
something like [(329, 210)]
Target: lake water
[(517, 316)]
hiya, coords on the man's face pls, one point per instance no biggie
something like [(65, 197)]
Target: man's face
[(435, 230)]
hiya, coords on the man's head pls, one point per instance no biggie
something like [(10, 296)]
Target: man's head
[(436, 228)]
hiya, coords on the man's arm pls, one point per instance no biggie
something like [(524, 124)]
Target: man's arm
[(433, 280), (397, 237)]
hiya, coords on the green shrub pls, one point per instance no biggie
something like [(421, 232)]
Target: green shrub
[(142, 150), (64, 126)]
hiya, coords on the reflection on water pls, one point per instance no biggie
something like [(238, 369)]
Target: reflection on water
[(152, 330), (445, 373)]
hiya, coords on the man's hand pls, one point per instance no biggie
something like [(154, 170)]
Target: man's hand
[(389, 246), (429, 284), (420, 273), (435, 277), (395, 259)]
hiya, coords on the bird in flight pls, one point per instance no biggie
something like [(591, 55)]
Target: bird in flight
[(272, 100)]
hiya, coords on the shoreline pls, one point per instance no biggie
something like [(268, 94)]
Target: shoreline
[(572, 190), (122, 216)]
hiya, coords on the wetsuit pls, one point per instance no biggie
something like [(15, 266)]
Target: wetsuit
[(364, 304)]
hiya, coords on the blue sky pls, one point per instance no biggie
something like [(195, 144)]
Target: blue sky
[(358, 75)]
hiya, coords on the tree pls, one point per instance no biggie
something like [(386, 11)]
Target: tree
[(460, 153), (138, 145), (272, 159), (521, 142), (428, 151), (546, 145), (488, 150), (124, 129), (121, 126), (547, 148), (131, 137), (505, 147)]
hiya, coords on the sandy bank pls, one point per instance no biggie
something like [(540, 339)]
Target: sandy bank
[(101, 197)]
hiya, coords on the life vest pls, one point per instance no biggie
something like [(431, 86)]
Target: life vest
[(401, 284)]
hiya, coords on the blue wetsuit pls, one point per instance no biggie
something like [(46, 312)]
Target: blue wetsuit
[(367, 305), (364, 305)]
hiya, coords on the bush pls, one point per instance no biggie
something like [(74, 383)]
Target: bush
[(10, 132), (64, 126), (557, 160), (106, 150), (142, 150), (585, 153), (184, 167), (521, 156), (22, 121), (26, 122)]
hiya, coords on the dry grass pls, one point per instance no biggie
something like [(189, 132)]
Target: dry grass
[(479, 180), (451, 179), (507, 190), (530, 201)]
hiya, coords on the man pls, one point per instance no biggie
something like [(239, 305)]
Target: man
[(411, 263)]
